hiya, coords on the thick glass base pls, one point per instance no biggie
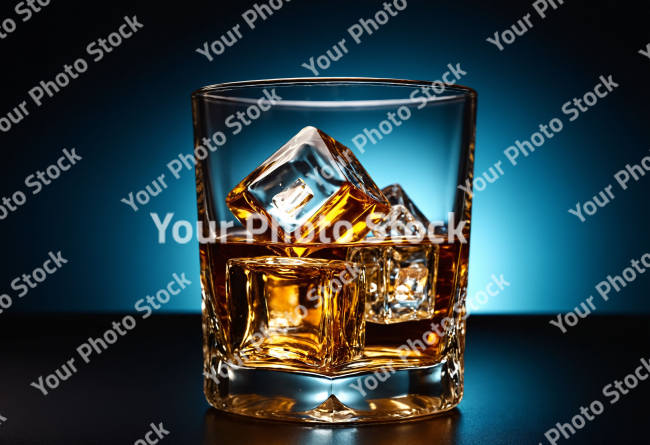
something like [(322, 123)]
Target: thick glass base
[(393, 394)]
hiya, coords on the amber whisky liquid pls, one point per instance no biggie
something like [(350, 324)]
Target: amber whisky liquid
[(402, 345), (406, 369)]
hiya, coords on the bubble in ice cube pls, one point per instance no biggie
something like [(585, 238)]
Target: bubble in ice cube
[(292, 199), (410, 283)]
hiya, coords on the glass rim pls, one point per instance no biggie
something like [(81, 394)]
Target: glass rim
[(460, 92)]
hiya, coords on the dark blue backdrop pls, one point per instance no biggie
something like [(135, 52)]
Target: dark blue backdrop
[(129, 115)]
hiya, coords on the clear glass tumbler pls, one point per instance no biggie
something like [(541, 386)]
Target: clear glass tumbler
[(335, 246)]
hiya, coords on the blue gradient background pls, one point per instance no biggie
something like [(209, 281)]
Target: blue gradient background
[(129, 115)]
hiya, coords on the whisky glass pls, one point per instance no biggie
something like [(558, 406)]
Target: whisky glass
[(306, 323)]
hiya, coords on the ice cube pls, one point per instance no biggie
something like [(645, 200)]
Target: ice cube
[(400, 280), (403, 288), (329, 198), (306, 311)]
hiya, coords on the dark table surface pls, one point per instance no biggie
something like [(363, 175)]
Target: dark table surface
[(522, 376)]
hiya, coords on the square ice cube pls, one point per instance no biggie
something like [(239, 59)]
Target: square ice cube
[(343, 195), (404, 285), (306, 311), (400, 280)]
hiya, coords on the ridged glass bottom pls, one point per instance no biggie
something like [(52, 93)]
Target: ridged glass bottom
[(307, 397)]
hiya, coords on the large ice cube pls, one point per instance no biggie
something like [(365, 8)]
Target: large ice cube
[(307, 311), (305, 188)]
